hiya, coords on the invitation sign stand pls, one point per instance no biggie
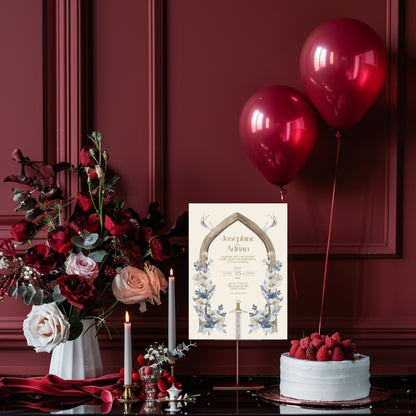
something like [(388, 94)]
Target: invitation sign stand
[(238, 274)]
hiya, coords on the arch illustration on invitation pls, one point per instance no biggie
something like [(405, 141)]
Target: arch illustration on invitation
[(237, 271)]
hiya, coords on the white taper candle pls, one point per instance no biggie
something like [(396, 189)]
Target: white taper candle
[(127, 351), (171, 313)]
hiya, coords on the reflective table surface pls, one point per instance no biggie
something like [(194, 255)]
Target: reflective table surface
[(221, 395)]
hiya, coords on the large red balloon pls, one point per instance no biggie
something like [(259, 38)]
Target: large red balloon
[(343, 66), (278, 128)]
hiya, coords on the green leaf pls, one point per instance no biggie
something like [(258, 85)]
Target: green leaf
[(21, 290), (57, 297), (78, 241), (90, 239), (76, 328), (12, 291), (37, 298), (98, 255), (27, 297)]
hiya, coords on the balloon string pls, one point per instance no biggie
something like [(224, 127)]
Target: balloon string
[(283, 192), (338, 136)]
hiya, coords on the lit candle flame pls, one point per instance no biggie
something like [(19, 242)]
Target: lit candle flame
[(127, 317), (171, 272)]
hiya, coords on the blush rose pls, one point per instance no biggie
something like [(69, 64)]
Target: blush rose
[(82, 265), (45, 327), (132, 285)]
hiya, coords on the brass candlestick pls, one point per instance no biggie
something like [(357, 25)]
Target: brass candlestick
[(128, 396), (172, 368)]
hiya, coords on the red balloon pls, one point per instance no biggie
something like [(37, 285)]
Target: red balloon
[(343, 66), (278, 128)]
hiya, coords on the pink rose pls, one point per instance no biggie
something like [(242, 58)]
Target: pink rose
[(133, 285), (82, 265)]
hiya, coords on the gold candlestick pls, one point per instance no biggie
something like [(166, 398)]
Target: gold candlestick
[(128, 396), (172, 368)]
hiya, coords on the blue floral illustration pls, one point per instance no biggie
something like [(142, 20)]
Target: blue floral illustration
[(209, 319), (266, 319)]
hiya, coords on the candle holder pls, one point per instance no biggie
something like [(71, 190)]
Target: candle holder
[(172, 368), (128, 396)]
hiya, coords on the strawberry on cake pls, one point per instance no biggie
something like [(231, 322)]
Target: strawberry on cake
[(324, 368)]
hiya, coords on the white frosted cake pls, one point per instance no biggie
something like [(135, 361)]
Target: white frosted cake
[(321, 372)]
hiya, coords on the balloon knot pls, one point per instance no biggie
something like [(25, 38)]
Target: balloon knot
[(283, 192), (338, 134)]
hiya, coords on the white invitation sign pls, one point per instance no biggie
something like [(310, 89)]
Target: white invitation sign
[(238, 271)]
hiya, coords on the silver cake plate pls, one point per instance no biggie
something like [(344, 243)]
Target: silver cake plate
[(376, 395)]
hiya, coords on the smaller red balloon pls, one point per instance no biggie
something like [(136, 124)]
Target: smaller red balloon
[(278, 128), (343, 66)]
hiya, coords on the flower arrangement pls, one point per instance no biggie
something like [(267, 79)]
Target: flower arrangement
[(93, 254)]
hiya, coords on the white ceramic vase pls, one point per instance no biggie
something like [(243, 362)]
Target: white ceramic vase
[(78, 359)]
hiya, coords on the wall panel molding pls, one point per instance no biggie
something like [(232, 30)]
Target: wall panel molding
[(70, 84), (157, 143)]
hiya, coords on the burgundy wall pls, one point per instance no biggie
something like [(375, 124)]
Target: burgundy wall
[(217, 54)]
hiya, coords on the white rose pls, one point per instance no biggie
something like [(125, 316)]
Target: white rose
[(82, 265), (45, 327)]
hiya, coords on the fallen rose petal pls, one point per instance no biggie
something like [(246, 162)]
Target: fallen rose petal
[(107, 396)]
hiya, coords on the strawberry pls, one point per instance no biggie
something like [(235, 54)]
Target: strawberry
[(337, 354), (304, 342), (317, 342), (346, 343), (322, 353), (337, 338), (316, 335), (330, 342), (300, 354), (310, 352), (293, 348)]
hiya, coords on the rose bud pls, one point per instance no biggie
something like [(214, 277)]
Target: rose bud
[(148, 370), (136, 376), (162, 386), (141, 360), (170, 379)]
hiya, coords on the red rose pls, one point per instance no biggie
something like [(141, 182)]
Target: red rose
[(85, 156), (22, 231), (41, 258), (92, 224), (161, 248), (60, 239), (84, 201), (77, 289), (116, 222)]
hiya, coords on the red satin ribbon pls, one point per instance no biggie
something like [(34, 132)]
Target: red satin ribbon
[(52, 385)]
